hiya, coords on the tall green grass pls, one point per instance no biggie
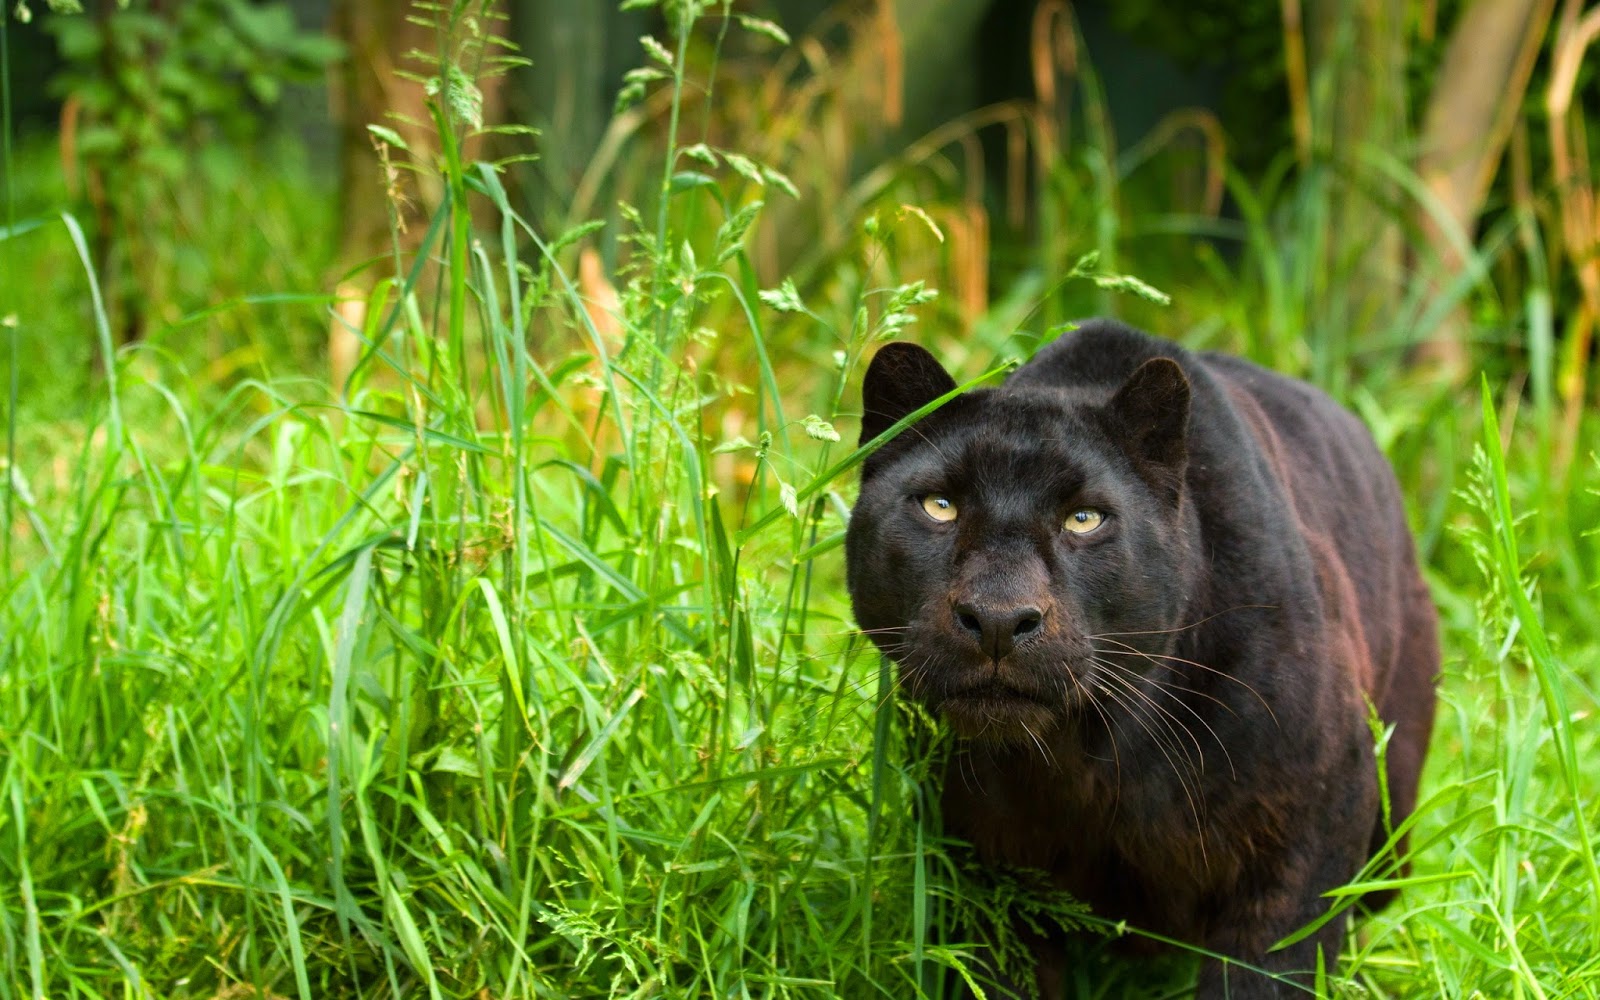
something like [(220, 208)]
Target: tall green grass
[(511, 671)]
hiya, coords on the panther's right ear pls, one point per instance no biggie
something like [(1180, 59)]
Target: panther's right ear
[(902, 378)]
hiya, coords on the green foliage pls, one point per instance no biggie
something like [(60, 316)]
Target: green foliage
[(1242, 41), (153, 81), (152, 87), (24, 13), (524, 668), (239, 251)]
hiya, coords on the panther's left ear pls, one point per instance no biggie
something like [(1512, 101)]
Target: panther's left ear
[(1151, 414)]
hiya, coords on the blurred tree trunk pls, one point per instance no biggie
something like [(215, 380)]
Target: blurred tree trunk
[(939, 72), (578, 52), (365, 90), (1357, 55), (381, 203), (1474, 103)]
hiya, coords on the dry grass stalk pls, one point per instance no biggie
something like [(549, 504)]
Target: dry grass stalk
[(970, 260), (600, 299), (344, 333), (1052, 52), (892, 52), (1209, 128), (1579, 201), (1294, 57), (1016, 174)]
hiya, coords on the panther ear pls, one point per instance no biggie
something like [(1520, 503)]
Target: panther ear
[(1151, 414), (901, 378)]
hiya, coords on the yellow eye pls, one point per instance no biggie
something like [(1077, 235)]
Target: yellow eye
[(1084, 520), (939, 507)]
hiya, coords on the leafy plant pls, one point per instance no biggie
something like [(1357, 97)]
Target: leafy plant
[(149, 84)]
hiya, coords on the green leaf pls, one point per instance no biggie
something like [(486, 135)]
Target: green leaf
[(389, 135), (761, 26), (700, 151), (828, 544), (780, 182), (508, 652), (819, 428), (656, 50), (405, 928), (595, 745), (784, 298), (746, 167), (730, 235), (453, 761), (683, 180), (265, 87), (1128, 283)]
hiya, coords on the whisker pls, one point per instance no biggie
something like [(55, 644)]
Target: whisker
[(1185, 628), (1167, 723), (1146, 722), (1087, 692), (1185, 706), (1161, 745), (1169, 686), (812, 633), (1043, 752), (1153, 657)]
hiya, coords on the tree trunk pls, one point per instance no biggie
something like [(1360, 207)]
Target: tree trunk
[(381, 201), (1474, 103), (365, 90), (578, 52), (1357, 55)]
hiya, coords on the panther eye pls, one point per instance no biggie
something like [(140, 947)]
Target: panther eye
[(939, 507), (1084, 520)]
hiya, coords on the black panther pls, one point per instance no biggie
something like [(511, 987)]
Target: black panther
[(1156, 594)]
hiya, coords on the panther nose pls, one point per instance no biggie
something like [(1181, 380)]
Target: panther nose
[(997, 630)]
